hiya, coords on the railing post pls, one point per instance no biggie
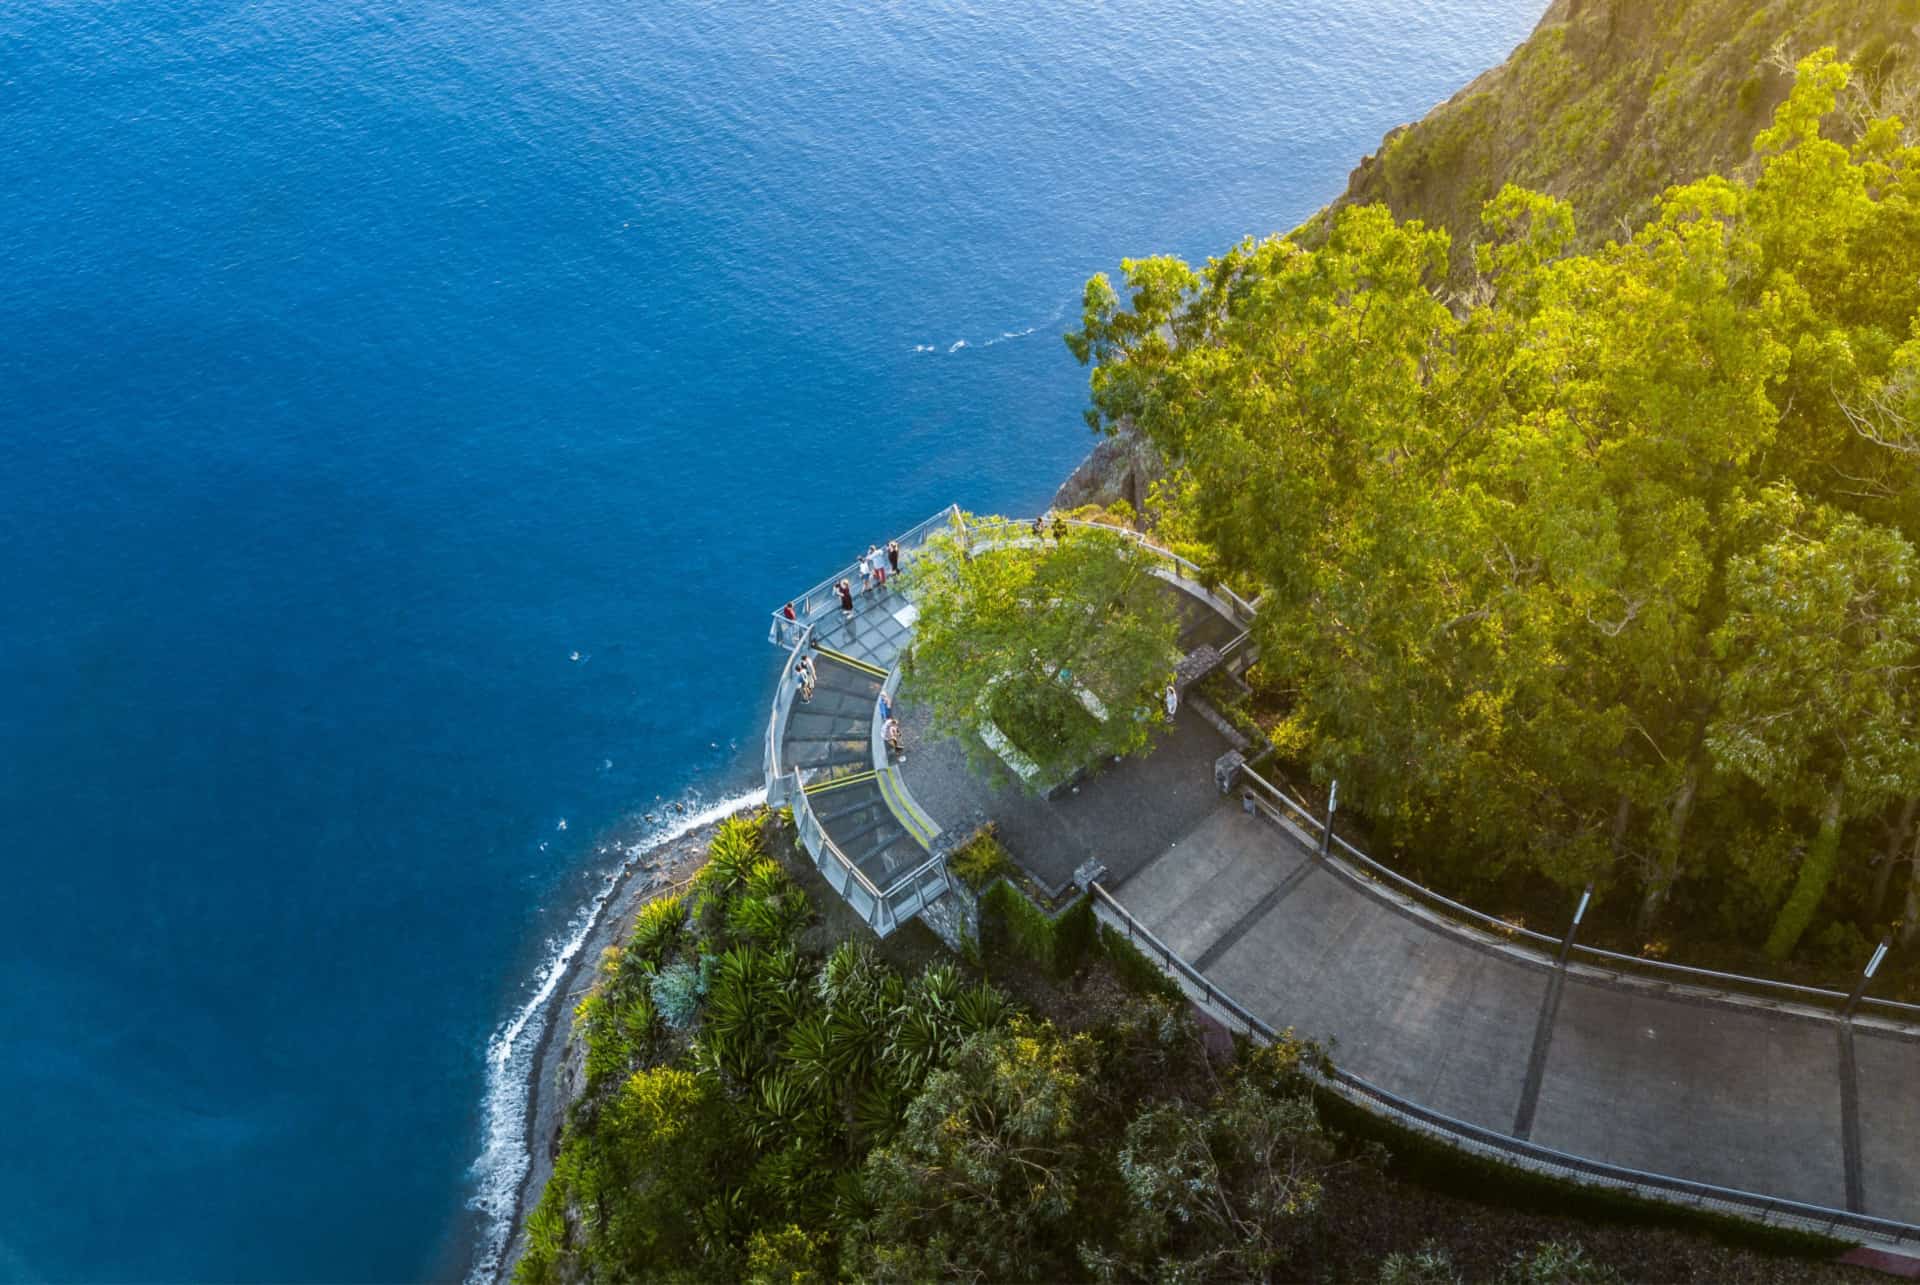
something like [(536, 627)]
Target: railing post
[(1326, 835), (1860, 987), (1579, 913)]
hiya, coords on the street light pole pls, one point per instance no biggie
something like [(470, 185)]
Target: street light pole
[(1326, 835), (1860, 987), (1579, 913)]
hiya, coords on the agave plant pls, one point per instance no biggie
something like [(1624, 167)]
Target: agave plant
[(980, 1008), (920, 1040), (732, 855), (877, 1113), (658, 927)]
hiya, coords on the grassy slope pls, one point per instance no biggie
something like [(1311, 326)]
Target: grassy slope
[(1610, 102)]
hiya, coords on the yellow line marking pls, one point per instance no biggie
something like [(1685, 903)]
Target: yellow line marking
[(853, 661), (905, 814), (821, 787)]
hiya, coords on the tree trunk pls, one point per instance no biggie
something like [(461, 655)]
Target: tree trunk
[(1816, 872), (1896, 840), (1667, 858)]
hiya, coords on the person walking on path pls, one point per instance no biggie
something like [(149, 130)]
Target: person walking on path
[(846, 600), (893, 555), (1059, 530), (1039, 528), (1173, 702)]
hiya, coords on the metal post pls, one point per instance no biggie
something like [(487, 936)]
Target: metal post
[(1326, 835), (1860, 987), (1579, 913)]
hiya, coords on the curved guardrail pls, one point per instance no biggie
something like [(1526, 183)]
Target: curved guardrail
[(885, 908), (1021, 531), (1359, 866), (777, 720), (821, 600), (1527, 1154)]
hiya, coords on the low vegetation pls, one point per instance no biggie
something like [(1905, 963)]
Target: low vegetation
[(821, 1115), (1611, 102)]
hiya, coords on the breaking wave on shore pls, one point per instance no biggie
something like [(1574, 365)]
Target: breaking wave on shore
[(506, 1149)]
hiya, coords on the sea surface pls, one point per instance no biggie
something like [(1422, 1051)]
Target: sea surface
[(409, 412)]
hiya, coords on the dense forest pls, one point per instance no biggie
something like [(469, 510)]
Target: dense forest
[(1602, 564)]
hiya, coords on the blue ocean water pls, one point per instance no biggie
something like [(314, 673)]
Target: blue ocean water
[(363, 361)]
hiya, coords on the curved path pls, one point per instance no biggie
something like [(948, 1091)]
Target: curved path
[(1668, 1080)]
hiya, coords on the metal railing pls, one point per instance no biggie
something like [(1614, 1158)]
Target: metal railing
[(839, 870), (1020, 531), (1518, 1151), (881, 907), (821, 600), (1363, 869), (777, 720)]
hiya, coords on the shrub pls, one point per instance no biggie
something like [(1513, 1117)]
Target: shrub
[(1428, 1265), (1135, 971), (733, 853), (678, 989), (658, 927), (1009, 920), (980, 861), (1558, 1262)]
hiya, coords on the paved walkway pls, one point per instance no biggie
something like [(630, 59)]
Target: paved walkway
[(1667, 1081)]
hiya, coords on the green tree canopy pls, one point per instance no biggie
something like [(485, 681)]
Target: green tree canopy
[(1064, 645), (1518, 593)]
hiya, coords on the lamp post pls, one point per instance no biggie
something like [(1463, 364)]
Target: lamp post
[(1860, 987), (1579, 913), (1326, 835)]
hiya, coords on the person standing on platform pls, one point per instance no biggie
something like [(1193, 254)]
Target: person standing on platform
[(846, 600), (893, 555)]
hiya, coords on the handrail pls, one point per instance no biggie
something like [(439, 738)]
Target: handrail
[(1761, 1205), (1301, 816), (1500, 927), (996, 525), (804, 820), (819, 600), (782, 707)]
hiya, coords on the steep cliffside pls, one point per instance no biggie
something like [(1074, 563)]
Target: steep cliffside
[(1610, 102)]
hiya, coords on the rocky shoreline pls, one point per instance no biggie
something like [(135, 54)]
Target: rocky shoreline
[(557, 1075)]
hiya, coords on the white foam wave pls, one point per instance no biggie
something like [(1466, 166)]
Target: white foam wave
[(958, 344), (923, 347), (505, 1152)]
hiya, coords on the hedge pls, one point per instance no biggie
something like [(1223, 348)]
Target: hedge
[(1010, 921)]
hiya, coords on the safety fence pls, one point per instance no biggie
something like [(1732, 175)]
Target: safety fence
[(905, 896), (983, 532), (783, 693), (821, 600), (1496, 1145)]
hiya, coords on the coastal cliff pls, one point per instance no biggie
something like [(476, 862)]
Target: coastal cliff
[(1606, 105), (1610, 102)]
